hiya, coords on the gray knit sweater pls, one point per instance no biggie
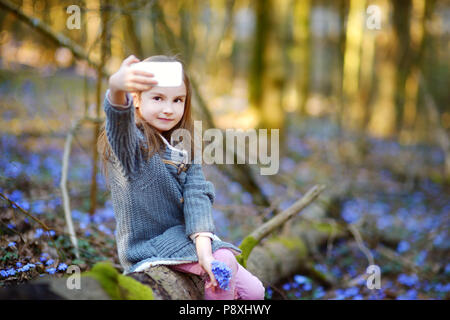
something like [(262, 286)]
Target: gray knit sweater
[(156, 208)]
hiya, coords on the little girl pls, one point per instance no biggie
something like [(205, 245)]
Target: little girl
[(162, 205)]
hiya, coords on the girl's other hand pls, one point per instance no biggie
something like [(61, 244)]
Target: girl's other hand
[(128, 80), (205, 262)]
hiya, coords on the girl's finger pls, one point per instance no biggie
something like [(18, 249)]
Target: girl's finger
[(144, 80), (131, 59), (213, 279), (143, 73), (210, 285)]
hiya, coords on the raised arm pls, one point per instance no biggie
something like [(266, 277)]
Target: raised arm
[(119, 109)]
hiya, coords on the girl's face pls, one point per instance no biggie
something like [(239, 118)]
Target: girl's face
[(163, 107)]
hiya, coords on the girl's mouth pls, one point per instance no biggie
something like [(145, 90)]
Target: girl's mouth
[(165, 119)]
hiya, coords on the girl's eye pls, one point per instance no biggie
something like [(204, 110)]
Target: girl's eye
[(154, 98), (179, 100)]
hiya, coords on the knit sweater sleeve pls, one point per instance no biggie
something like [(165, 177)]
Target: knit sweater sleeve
[(121, 132), (199, 196)]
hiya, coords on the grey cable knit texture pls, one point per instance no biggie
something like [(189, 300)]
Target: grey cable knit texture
[(156, 209)]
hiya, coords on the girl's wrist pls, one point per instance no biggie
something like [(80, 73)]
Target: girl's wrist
[(203, 246), (117, 97)]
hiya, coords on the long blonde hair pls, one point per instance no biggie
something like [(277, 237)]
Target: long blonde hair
[(152, 139)]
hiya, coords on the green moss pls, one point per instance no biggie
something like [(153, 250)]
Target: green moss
[(293, 244), (324, 227), (118, 286), (246, 246), (135, 289)]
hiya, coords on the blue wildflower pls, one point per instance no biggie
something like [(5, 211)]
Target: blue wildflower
[(439, 287), (25, 268), (321, 267), (51, 270), (39, 233), (269, 292), (307, 286), (3, 273), (11, 272), (336, 271), (49, 262), (44, 257), (222, 273), (353, 291), (319, 292), (350, 215), (246, 198), (340, 294), (447, 268), (421, 257), (104, 229), (39, 207), (408, 280), (267, 189), (18, 264), (235, 187), (409, 295), (287, 286), (300, 279), (62, 266), (50, 233), (12, 244), (403, 246)]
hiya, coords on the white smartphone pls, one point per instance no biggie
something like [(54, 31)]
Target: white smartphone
[(168, 74)]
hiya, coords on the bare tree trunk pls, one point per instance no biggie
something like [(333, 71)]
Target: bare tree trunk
[(352, 63), (104, 53), (302, 38)]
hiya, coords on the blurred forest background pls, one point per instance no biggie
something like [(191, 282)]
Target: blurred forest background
[(359, 90)]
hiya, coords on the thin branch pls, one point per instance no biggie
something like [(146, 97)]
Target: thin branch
[(265, 229), (14, 204), (46, 30), (63, 185), (357, 235)]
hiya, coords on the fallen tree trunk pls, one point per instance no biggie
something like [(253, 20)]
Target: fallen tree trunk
[(272, 261)]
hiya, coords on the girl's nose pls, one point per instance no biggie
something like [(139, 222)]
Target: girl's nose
[(167, 108)]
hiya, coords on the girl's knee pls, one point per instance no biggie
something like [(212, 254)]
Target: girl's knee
[(249, 287), (256, 291)]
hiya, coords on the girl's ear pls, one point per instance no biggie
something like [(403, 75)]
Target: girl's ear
[(136, 101), (134, 95)]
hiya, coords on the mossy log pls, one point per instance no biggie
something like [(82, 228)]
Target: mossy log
[(275, 259)]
